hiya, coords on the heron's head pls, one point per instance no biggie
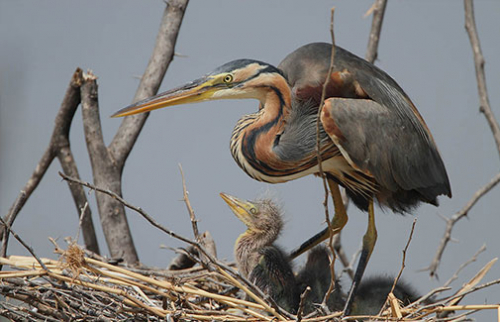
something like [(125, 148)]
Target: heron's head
[(242, 78), (260, 217)]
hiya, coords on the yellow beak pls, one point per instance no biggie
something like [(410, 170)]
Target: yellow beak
[(239, 207), (198, 90)]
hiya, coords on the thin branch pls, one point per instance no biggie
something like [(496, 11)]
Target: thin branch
[(320, 160), (223, 268), (21, 199), (403, 265), (194, 222), (456, 217), (378, 11), (470, 26), (302, 303), (318, 121), (339, 250), (162, 55), (82, 216), (473, 259), (59, 147), (373, 40), (19, 239), (404, 255)]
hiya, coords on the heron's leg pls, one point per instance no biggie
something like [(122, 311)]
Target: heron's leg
[(369, 240), (338, 222)]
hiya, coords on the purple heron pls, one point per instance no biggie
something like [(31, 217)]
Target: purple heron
[(373, 141), (257, 258)]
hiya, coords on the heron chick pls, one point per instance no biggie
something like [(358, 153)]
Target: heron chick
[(257, 258)]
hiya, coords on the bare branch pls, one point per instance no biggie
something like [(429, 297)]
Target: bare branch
[(107, 175), (302, 303), (19, 239), (223, 268), (456, 217), (378, 18), (339, 250), (194, 222), (473, 259), (470, 26), (21, 199), (320, 160), (403, 265), (161, 57), (59, 147)]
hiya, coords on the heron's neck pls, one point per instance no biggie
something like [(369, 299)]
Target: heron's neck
[(255, 134), (247, 248)]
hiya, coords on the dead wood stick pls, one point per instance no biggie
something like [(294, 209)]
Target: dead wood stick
[(21, 199), (222, 267), (450, 223), (59, 147), (373, 40), (19, 239), (485, 108), (162, 55), (194, 222), (106, 175), (378, 11), (403, 265), (471, 260), (470, 26)]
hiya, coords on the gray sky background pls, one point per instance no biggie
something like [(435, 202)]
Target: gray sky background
[(423, 45)]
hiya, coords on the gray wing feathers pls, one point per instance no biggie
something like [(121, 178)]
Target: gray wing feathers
[(299, 137), (380, 141)]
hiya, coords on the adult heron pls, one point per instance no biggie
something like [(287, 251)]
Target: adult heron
[(372, 139)]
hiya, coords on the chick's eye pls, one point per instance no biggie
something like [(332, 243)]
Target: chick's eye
[(228, 78), (253, 211)]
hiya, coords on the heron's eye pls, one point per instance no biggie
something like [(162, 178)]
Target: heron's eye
[(253, 211), (228, 78)]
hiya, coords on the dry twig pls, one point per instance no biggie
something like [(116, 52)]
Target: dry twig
[(378, 10), (470, 26), (59, 147), (246, 285), (194, 222), (450, 223), (19, 239)]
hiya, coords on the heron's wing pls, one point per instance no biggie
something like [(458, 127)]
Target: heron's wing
[(389, 139), (376, 140)]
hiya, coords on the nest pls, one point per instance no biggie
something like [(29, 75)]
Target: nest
[(78, 287)]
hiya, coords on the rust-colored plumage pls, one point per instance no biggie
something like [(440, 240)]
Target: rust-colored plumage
[(373, 141)]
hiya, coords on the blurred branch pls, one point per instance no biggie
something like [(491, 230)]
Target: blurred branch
[(162, 55), (470, 26), (106, 174), (21, 199), (378, 10), (192, 216), (450, 223), (16, 236), (464, 265), (403, 265), (59, 147)]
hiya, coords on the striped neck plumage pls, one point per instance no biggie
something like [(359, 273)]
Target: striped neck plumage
[(255, 134)]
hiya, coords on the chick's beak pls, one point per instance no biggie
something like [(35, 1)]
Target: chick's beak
[(238, 206), (197, 90)]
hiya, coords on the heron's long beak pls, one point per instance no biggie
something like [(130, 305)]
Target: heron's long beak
[(195, 91), (238, 206)]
